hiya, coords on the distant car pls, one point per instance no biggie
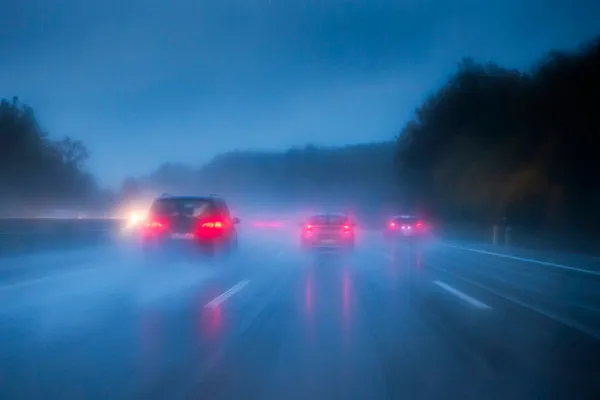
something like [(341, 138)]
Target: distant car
[(407, 226), (328, 231), (192, 222)]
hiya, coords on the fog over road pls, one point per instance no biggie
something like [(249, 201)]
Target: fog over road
[(405, 321)]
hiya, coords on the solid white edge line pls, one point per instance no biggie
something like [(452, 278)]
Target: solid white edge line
[(225, 295), (530, 260), (555, 317), (461, 295)]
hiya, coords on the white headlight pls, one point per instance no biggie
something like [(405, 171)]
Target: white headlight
[(134, 218)]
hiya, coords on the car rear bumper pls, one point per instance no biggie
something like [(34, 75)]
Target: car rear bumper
[(406, 234), (168, 243), (328, 242)]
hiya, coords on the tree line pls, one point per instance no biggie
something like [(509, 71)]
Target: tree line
[(353, 176), (37, 173), (491, 145), (497, 144)]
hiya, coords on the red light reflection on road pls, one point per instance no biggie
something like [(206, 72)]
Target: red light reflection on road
[(346, 293), (308, 301), (346, 303), (210, 324), (308, 295)]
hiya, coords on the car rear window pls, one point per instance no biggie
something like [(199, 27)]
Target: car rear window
[(329, 220), (184, 206)]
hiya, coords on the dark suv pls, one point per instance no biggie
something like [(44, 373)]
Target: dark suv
[(193, 222)]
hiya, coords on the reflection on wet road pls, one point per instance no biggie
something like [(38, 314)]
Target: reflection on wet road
[(417, 321)]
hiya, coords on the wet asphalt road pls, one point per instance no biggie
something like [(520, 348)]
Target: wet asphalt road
[(433, 321)]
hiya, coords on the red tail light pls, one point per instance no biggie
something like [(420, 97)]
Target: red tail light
[(419, 224), (392, 224), (155, 225), (347, 228), (209, 229), (212, 224), (308, 230)]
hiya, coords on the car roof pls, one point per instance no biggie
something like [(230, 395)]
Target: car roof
[(187, 197), (216, 201), (330, 215), (406, 217)]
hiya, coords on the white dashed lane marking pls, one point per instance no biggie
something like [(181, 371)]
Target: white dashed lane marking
[(474, 302), (224, 296)]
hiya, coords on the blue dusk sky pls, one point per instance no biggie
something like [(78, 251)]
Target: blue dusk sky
[(143, 82)]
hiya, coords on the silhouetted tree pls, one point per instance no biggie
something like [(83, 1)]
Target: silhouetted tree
[(36, 173), (496, 143)]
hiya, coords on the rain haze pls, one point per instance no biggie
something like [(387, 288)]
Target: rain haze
[(144, 82), (299, 199)]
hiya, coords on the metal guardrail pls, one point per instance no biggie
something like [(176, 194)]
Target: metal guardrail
[(515, 236), (508, 236), (21, 236)]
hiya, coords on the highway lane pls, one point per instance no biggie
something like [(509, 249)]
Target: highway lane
[(389, 321), (558, 259)]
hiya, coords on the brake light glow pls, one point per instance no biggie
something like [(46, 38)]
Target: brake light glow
[(392, 224), (211, 229), (419, 224), (308, 230), (154, 226), (212, 224)]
